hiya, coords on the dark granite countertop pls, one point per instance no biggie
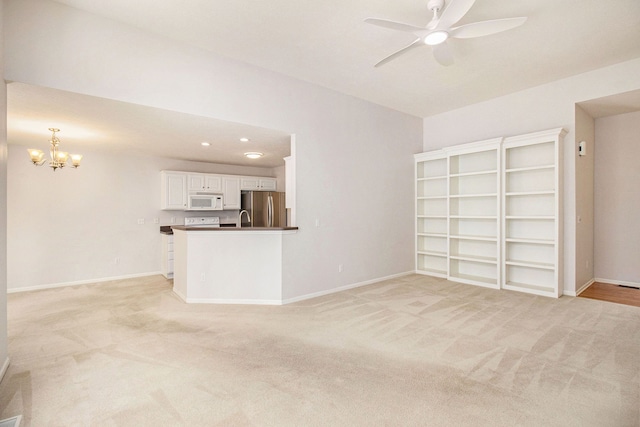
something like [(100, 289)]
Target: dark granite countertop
[(167, 229), (184, 228)]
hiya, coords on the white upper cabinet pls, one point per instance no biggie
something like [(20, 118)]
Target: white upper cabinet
[(205, 182), (268, 184), (249, 183), (231, 192), (174, 191), (257, 183), (177, 185)]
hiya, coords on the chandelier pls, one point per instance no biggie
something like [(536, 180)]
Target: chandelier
[(58, 158)]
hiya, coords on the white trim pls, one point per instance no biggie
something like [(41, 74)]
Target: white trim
[(15, 421), (580, 290), (289, 300), (5, 367), (473, 147), (233, 301), (81, 282), (618, 282), (225, 301), (179, 295), (344, 288)]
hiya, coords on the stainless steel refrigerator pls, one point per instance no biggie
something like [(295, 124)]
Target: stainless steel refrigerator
[(266, 209)]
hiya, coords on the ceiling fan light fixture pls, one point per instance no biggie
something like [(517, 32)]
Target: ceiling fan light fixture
[(436, 37)]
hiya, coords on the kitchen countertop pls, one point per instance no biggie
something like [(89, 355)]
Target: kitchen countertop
[(185, 228), (168, 229)]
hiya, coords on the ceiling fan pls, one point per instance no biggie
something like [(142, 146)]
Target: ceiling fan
[(439, 29)]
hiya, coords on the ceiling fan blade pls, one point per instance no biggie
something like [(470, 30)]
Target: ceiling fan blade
[(414, 44), (485, 28), (454, 12), (442, 53), (393, 25)]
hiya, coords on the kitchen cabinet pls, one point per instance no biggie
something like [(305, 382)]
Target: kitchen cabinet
[(489, 213), (205, 182), (173, 190), (268, 184), (231, 192), (177, 185), (257, 183)]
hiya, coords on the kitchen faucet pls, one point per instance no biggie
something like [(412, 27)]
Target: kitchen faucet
[(240, 217)]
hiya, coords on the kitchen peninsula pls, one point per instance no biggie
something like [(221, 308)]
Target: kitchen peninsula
[(229, 265)]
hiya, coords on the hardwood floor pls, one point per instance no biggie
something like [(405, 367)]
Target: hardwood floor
[(613, 293)]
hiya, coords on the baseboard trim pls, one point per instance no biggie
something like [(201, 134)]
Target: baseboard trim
[(345, 288), (80, 282), (580, 290), (226, 301), (12, 422), (617, 282), (5, 367), (179, 295), (288, 300), (233, 301)]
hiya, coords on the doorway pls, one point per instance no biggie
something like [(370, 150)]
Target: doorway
[(608, 194)]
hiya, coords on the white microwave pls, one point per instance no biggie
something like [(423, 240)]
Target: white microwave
[(204, 202)]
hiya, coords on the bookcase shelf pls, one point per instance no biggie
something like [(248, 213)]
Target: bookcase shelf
[(474, 185), (532, 225), (432, 215), (490, 213)]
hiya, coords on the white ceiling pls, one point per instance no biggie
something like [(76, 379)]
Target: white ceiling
[(327, 43), (103, 124)]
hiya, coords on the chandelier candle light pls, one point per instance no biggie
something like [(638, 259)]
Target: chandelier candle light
[(58, 158)]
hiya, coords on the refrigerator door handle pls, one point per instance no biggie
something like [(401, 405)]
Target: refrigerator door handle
[(270, 211)]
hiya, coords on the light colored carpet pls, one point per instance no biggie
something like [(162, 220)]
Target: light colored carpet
[(416, 351)]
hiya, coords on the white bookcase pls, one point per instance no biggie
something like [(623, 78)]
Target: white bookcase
[(532, 204), (489, 213), (432, 211), (474, 207)]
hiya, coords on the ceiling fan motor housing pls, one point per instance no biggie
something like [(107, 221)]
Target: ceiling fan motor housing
[(434, 5)]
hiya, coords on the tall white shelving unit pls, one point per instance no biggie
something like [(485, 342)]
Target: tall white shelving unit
[(532, 203), (432, 213), (474, 213), (489, 213)]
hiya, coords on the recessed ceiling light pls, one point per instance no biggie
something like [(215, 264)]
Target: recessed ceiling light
[(244, 140), (253, 155), (205, 144)]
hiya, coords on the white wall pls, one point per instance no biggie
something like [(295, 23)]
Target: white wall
[(584, 131), (354, 159), (617, 198), (543, 107), (3, 207), (71, 225)]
